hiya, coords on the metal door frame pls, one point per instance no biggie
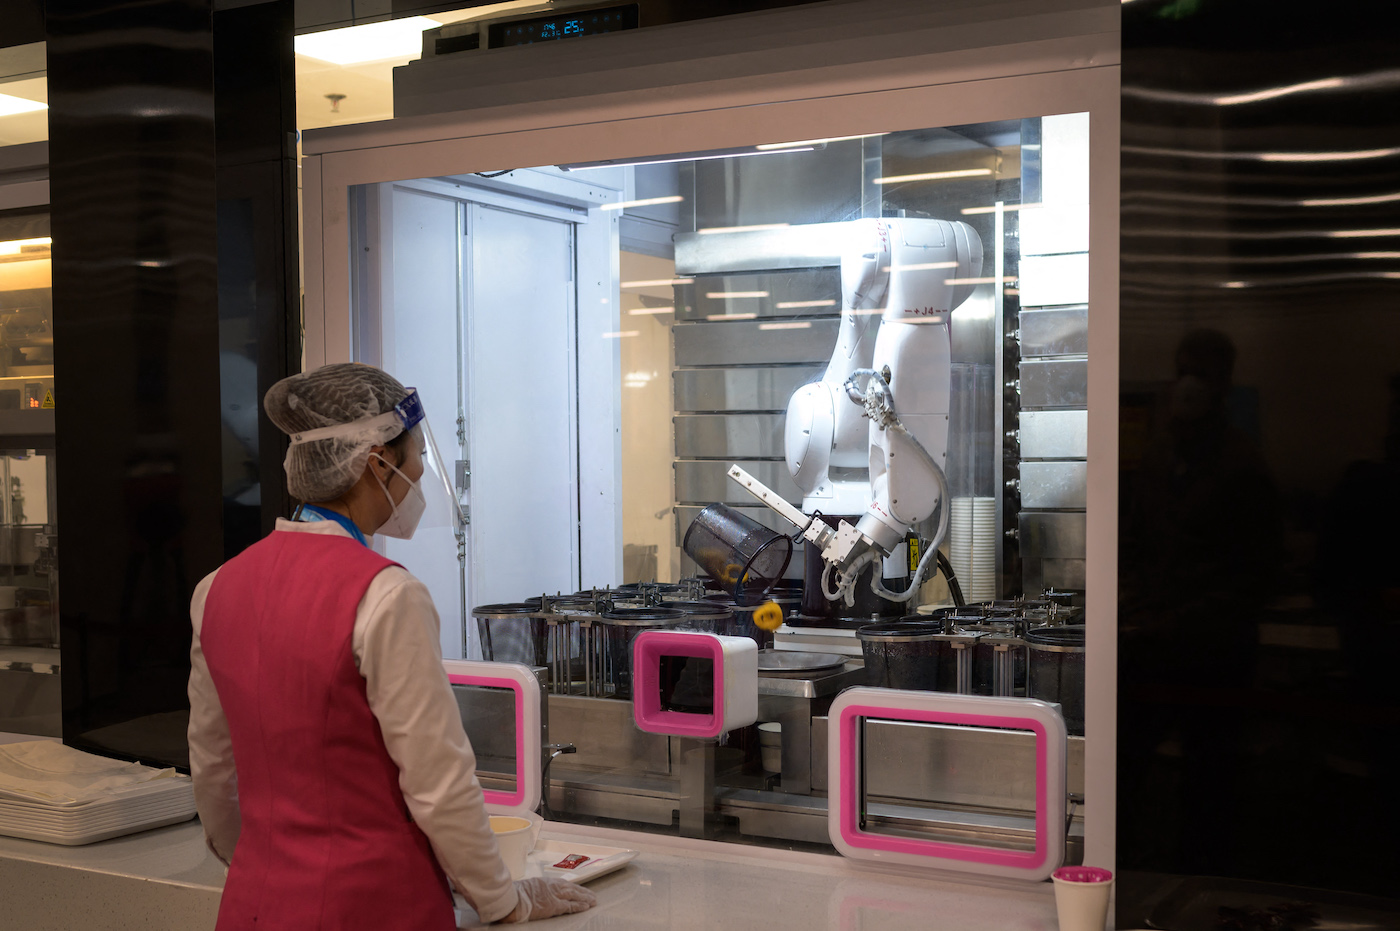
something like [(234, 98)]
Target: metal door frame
[(978, 72)]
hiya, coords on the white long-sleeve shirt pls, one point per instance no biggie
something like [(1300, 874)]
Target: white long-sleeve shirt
[(395, 644)]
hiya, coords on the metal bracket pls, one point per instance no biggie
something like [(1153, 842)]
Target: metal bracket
[(464, 475)]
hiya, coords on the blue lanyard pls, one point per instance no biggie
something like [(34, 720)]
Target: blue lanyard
[(319, 514)]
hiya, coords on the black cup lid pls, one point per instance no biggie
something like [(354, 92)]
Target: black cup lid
[(641, 617), (898, 631), (1070, 635), (517, 607)]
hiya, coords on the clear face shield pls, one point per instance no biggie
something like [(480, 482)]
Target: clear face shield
[(443, 509)]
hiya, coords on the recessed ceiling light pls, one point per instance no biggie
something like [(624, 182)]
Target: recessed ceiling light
[(644, 202), (355, 45), (792, 305), (935, 175), (769, 146)]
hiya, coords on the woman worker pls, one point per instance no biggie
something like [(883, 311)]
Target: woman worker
[(331, 770)]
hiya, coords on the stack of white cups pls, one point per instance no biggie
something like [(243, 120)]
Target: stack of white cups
[(972, 542)]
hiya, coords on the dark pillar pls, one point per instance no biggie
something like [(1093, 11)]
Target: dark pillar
[(1259, 612), (259, 305), (132, 158)]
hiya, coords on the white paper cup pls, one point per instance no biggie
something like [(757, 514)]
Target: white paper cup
[(516, 837), (1081, 897)]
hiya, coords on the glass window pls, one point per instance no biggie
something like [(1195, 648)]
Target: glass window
[(29, 663), (24, 94), (598, 344)]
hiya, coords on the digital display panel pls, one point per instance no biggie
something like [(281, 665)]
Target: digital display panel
[(563, 26)]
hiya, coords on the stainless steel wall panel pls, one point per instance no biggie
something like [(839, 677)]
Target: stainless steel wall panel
[(1055, 383), (741, 389), (730, 436), (1063, 573), (707, 482), (1061, 331), (786, 294), (1039, 574), (812, 245), (743, 342), (1054, 434), (1054, 484), (800, 188), (1054, 535)]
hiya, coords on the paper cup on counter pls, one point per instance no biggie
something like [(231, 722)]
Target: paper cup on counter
[(1081, 897), (516, 836)]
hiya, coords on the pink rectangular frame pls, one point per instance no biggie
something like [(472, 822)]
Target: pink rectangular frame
[(850, 787), (506, 799), (647, 651)]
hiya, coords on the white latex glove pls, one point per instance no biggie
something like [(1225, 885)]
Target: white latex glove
[(545, 898)]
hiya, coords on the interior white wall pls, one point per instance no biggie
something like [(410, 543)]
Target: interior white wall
[(521, 430), (419, 347), (600, 455), (648, 444)]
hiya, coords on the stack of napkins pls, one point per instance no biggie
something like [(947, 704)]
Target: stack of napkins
[(53, 793)]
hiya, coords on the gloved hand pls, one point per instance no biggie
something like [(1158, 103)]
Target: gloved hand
[(545, 898)]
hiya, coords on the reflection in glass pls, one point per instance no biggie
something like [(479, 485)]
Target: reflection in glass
[(30, 702), (602, 341)]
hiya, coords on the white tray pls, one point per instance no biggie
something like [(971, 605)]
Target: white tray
[(602, 860), (78, 840)]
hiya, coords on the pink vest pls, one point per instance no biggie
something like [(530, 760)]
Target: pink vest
[(327, 840)]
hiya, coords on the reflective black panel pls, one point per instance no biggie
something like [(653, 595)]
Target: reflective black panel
[(132, 178), (1259, 732), (174, 303)]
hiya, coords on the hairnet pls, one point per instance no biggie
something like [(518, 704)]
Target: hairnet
[(344, 393)]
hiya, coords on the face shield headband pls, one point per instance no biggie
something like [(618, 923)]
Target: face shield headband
[(381, 428), (404, 416)]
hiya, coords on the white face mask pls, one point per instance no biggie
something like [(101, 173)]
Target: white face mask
[(403, 521)]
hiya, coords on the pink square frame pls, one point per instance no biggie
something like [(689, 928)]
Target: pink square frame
[(647, 650), (1013, 714), (511, 676)]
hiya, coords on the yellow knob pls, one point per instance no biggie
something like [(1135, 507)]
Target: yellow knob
[(768, 616)]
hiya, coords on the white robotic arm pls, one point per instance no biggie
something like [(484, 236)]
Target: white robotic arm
[(823, 430), (906, 266)]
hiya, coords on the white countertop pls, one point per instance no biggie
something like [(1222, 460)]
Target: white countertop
[(673, 883), (681, 883)]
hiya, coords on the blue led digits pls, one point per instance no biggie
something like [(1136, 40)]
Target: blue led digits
[(594, 22)]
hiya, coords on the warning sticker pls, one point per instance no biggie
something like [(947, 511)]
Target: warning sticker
[(48, 400)]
